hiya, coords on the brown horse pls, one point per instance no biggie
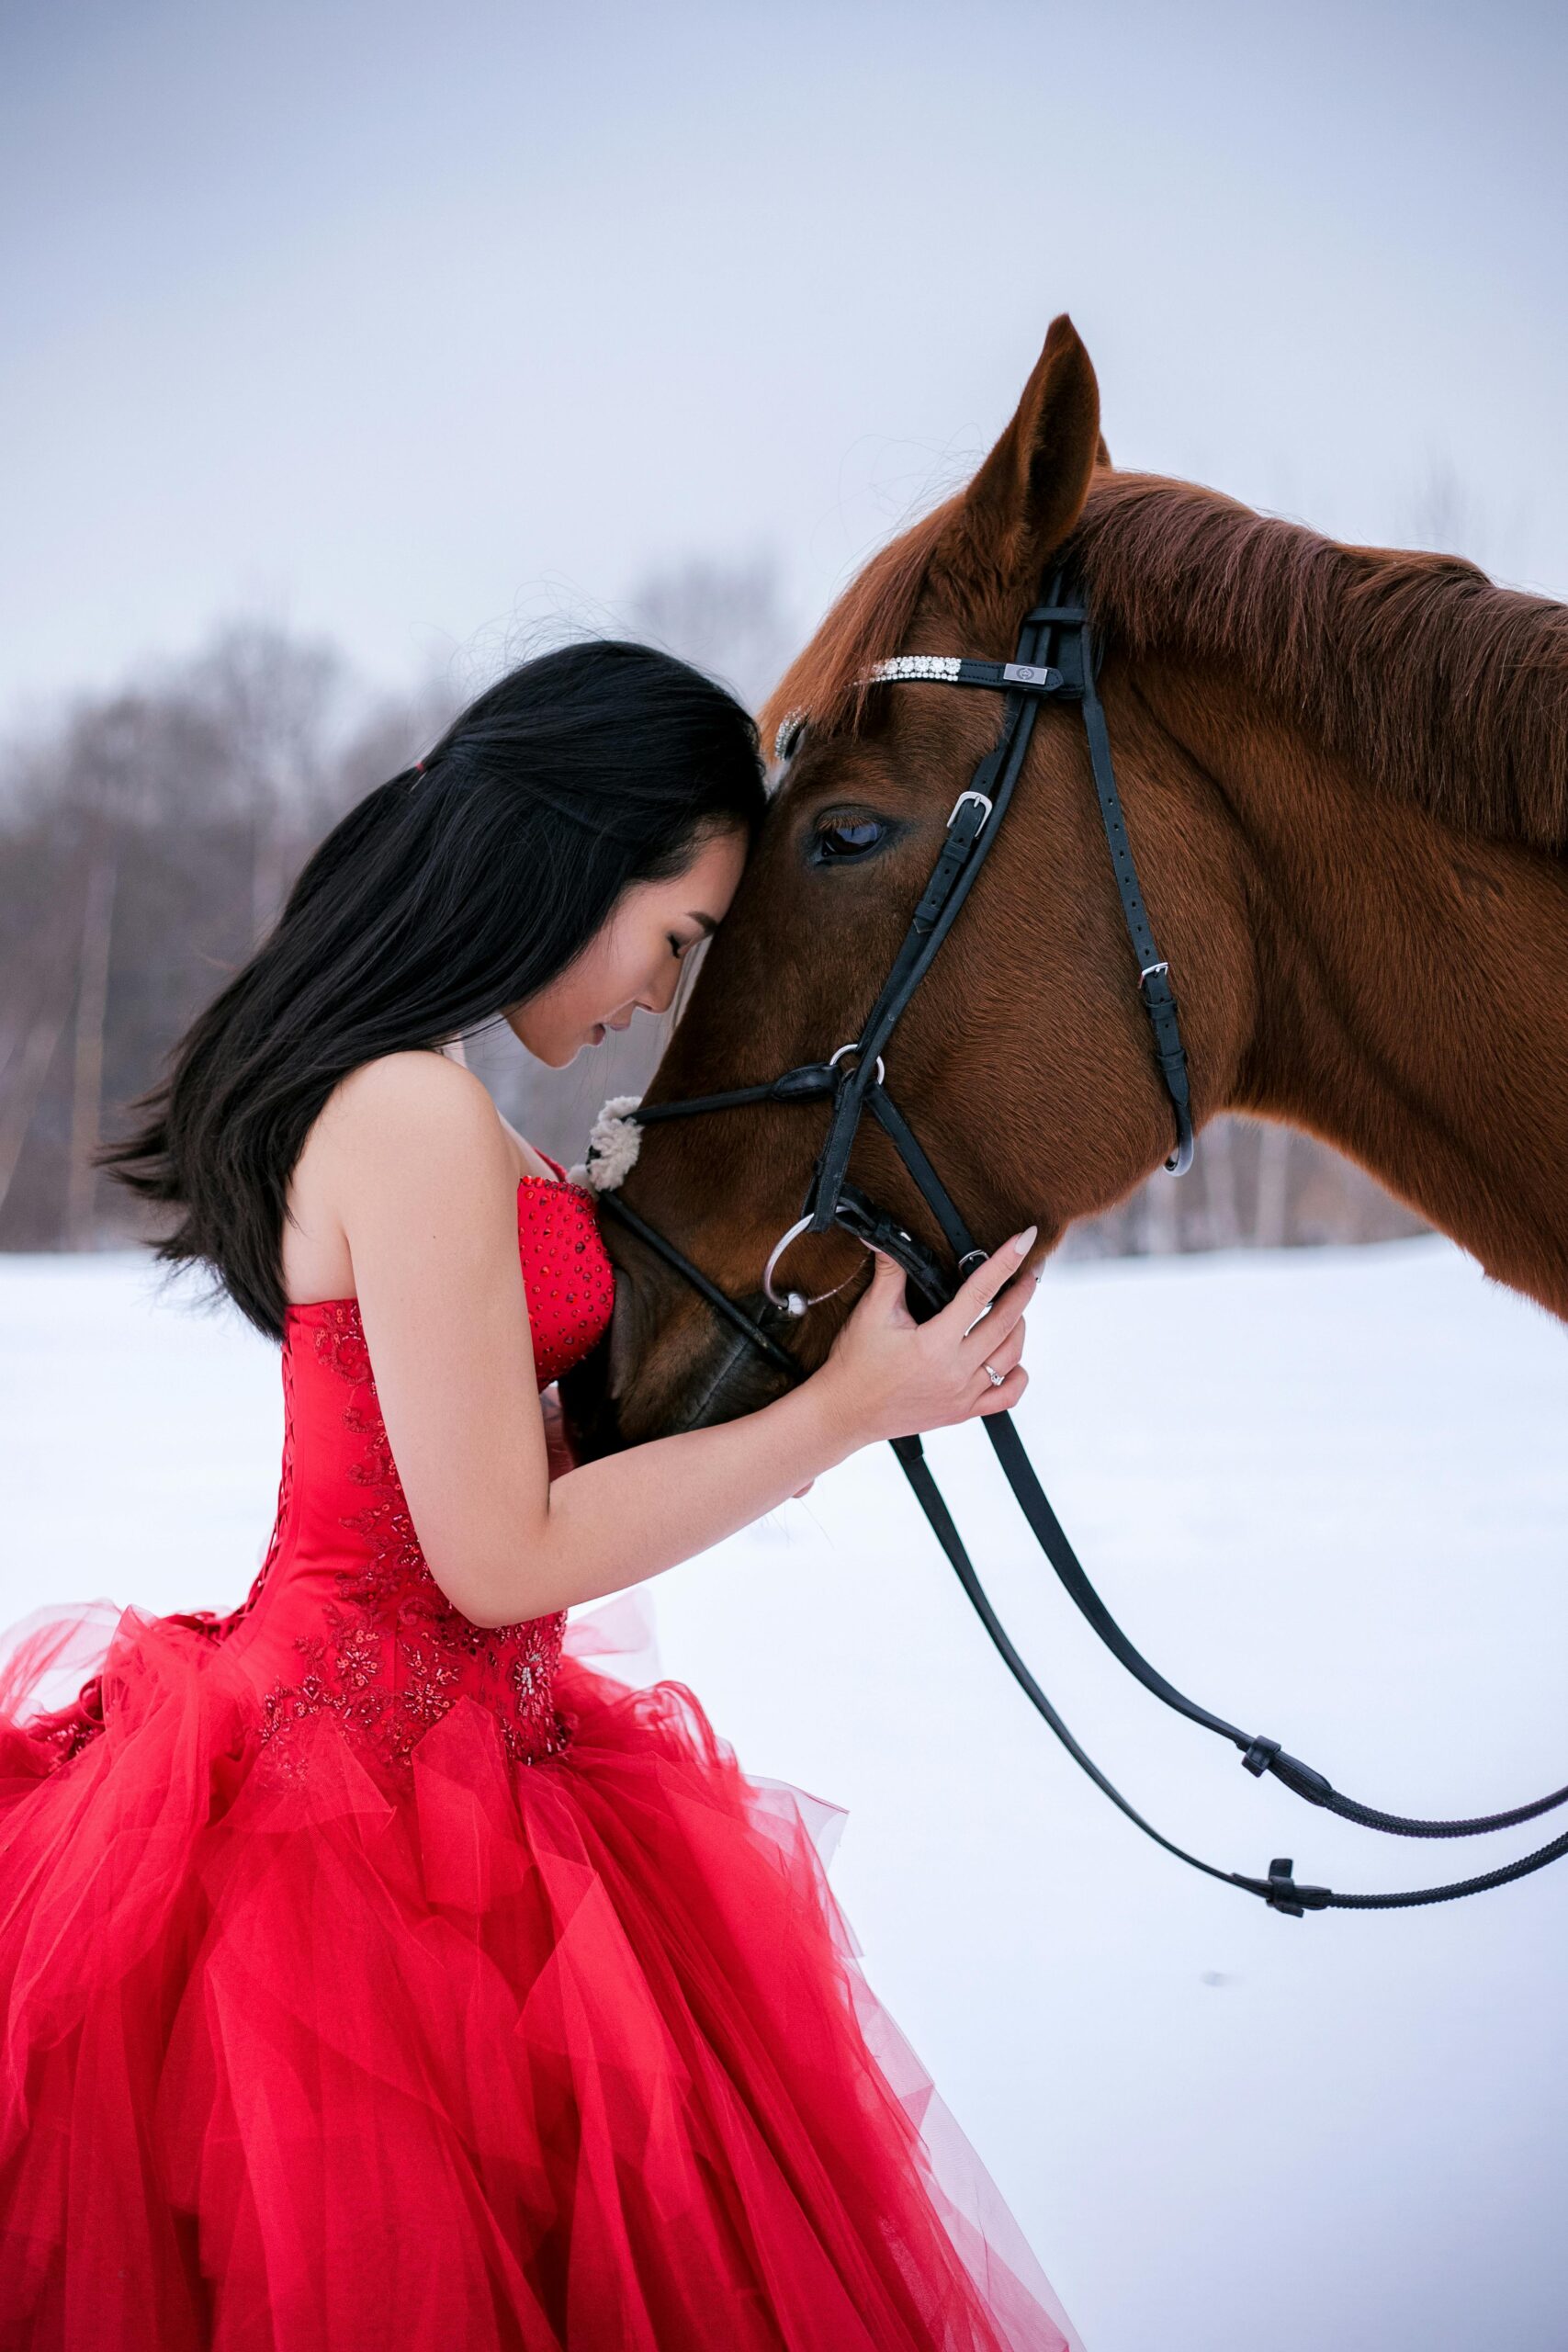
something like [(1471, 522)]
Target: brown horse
[(1345, 781)]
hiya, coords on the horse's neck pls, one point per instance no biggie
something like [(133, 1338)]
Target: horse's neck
[(1411, 989)]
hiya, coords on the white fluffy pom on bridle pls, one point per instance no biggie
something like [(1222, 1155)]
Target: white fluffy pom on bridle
[(614, 1141)]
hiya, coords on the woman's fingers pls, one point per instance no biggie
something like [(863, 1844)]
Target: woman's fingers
[(1004, 1355), (986, 1336), (1002, 1363), (886, 1289), (927, 1377), (1003, 1399), (987, 1278)]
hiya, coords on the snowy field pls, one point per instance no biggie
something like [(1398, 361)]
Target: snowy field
[(1327, 1492)]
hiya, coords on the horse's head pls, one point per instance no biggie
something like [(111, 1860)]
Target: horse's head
[(1023, 1061)]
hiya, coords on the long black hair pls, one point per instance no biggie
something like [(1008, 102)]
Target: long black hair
[(443, 899)]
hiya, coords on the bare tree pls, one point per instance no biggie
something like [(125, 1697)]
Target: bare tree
[(273, 698), (1222, 1198), (92, 997), (1442, 515), (148, 835), (1253, 1184), (731, 619), (1273, 1172), (26, 1070)]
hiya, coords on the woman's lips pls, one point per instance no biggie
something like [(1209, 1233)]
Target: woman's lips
[(596, 1035)]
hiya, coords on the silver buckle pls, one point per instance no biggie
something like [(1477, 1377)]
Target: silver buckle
[(985, 803), (1148, 970)]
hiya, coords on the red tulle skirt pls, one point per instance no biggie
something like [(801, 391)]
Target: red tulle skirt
[(570, 2055)]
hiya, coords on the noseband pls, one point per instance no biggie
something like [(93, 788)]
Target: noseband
[(1056, 659)]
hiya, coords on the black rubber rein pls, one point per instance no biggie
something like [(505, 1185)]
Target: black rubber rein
[(859, 1216), (1279, 1890), (1279, 1887)]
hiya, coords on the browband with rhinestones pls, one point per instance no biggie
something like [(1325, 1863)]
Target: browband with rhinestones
[(939, 669), (953, 670)]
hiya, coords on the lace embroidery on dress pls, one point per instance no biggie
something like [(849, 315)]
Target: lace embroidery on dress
[(392, 1653)]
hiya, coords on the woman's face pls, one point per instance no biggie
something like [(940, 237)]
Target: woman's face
[(636, 958)]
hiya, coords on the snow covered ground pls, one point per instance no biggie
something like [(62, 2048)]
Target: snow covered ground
[(1328, 1492)]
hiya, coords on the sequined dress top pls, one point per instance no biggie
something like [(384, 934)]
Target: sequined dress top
[(345, 1604), (375, 1981)]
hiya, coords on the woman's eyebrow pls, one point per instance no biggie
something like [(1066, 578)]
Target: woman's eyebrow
[(708, 922)]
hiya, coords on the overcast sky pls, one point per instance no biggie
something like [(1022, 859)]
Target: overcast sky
[(413, 324)]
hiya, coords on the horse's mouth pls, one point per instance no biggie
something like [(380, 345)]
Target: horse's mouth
[(729, 1386), (692, 1376)]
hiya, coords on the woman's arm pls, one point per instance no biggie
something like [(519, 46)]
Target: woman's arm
[(424, 1184)]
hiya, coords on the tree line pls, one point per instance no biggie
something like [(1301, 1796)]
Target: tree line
[(148, 837)]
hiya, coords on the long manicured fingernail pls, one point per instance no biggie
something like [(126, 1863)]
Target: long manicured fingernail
[(1024, 1242)]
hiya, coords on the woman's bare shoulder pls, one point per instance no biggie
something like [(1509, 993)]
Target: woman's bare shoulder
[(396, 1088), (395, 1134), (419, 1112)]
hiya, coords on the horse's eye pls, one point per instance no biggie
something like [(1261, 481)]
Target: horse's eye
[(842, 837)]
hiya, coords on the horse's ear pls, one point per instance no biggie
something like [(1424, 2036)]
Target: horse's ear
[(1031, 489)]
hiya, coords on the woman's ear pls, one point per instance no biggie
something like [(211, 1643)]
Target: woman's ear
[(1030, 492)]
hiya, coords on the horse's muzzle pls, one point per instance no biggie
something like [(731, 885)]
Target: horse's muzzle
[(665, 1366)]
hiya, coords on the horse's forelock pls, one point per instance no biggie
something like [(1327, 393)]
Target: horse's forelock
[(825, 684)]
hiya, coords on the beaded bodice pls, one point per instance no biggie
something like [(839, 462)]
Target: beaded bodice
[(345, 1617)]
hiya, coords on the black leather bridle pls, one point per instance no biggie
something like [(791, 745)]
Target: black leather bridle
[(1056, 659)]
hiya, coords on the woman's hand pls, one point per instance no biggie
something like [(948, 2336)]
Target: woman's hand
[(895, 1376)]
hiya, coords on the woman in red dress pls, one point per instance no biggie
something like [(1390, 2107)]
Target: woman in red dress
[(376, 1974)]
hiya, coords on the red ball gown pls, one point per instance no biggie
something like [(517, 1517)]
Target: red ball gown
[(374, 1981)]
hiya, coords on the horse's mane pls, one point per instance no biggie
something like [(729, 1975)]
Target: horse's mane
[(1450, 692)]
